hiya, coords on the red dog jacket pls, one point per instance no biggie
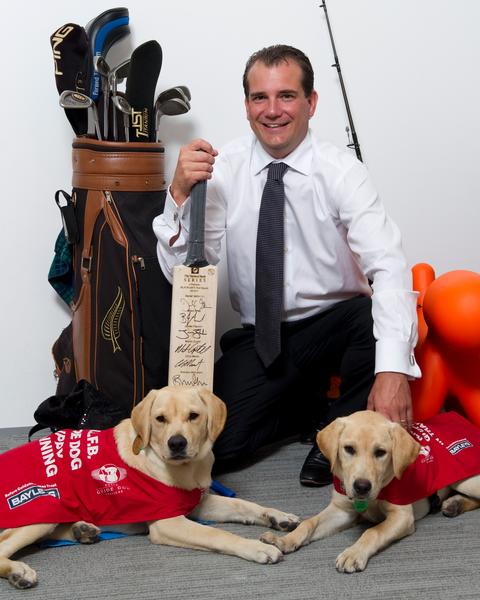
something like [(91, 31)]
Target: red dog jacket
[(74, 475), (450, 452)]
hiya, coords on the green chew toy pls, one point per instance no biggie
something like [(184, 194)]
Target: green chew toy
[(360, 505)]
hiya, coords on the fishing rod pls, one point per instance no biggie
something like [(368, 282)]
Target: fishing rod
[(354, 144)]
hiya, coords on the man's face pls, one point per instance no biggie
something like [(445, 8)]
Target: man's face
[(277, 108)]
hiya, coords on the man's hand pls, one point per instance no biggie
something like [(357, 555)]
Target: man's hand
[(195, 163), (390, 395)]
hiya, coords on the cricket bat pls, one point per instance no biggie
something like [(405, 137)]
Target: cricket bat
[(194, 306)]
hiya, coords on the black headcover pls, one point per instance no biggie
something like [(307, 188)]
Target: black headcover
[(145, 65), (103, 31), (71, 56)]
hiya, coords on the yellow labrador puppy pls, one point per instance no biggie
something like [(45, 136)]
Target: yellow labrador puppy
[(369, 455), (164, 450)]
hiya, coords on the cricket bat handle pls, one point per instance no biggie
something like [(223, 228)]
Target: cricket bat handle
[(196, 238)]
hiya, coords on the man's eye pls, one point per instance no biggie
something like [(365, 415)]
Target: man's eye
[(349, 450)]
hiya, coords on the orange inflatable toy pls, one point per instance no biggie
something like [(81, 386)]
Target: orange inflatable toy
[(448, 349)]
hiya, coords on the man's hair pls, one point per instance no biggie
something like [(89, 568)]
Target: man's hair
[(274, 55)]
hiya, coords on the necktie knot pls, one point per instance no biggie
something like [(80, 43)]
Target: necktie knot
[(276, 171)]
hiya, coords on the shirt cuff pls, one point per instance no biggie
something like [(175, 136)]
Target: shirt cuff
[(396, 356), (172, 213)]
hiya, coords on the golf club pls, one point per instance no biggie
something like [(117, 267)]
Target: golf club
[(181, 92), (124, 107), (171, 107), (116, 76), (101, 66), (76, 100)]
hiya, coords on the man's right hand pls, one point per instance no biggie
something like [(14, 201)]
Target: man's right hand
[(195, 163)]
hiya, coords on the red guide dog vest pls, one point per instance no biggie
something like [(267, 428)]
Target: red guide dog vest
[(74, 475), (450, 452)]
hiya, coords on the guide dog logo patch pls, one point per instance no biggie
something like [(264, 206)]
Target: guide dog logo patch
[(109, 474)]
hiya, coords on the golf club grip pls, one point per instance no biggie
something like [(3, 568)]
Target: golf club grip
[(196, 238)]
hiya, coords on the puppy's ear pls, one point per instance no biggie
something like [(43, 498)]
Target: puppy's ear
[(328, 438), (404, 450), (141, 417), (216, 413)]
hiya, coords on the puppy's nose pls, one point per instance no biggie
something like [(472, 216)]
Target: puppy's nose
[(362, 486), (177, 444)]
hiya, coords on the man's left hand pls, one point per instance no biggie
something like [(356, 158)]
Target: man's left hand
[(390, 395)]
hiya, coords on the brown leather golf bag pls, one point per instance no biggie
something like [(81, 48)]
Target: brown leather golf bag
[(119, 334)]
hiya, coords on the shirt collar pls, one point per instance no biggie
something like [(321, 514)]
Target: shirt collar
[(299, 160)]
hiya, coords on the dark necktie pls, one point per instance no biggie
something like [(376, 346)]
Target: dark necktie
[(269, 266)]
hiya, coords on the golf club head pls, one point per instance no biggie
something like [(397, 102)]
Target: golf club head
[(174, 92), (118, 74), (101, 66), (174, 106), (75, 100), (171, 107), (103, 31), (122, 104), (186, 92)]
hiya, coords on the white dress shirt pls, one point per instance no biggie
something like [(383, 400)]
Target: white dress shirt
[(337, 236)]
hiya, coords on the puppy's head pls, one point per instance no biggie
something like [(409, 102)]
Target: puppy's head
[(366, 451), (179, 424)]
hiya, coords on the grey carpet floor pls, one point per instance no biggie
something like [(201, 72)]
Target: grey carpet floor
[(440, 561)]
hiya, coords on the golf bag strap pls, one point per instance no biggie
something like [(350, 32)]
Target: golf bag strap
[(94, 205), (118, 166), (82, 311)]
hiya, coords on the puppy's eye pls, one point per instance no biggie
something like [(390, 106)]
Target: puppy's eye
[(349, 450), (192, 416), (379, 452), (161, 419)]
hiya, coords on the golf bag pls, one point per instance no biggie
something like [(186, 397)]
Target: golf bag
[(119, 335)]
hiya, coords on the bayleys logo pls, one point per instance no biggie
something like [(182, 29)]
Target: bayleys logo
[(32, 493), (459, 445)]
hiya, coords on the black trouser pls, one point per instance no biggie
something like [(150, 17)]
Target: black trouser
[(265, 405)]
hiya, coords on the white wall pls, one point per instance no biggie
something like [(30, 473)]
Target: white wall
[(411, 72)]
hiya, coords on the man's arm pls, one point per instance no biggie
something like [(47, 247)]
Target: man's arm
[(195, 163), (376, 240)]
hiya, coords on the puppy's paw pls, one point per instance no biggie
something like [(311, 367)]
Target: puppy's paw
[(265, 554), (285, 544), (351, 560), (452, 507), (282, 521), (22, 576), (85, 533)]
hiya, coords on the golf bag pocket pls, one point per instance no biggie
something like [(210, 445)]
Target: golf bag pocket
[(121, 304)]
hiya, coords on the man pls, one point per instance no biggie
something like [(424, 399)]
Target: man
[(336, 237)]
